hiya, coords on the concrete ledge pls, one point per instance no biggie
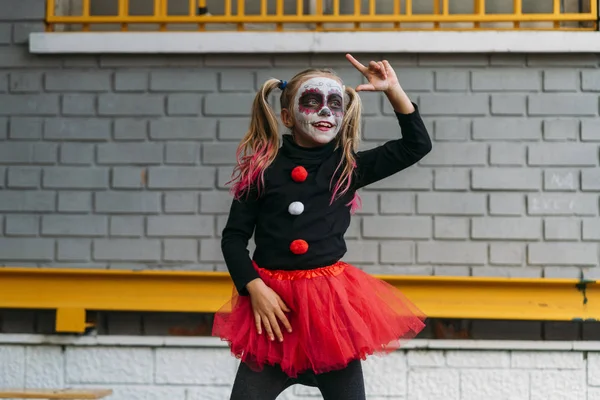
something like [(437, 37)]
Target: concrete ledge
[(314, 42), (212, 342)]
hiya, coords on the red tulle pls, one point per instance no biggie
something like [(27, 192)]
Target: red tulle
[(338, 314)]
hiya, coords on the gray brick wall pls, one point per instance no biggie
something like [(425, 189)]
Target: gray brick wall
[(113, 160)]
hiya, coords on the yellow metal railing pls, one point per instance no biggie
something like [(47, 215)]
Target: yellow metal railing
[(322, 15), (73, 292)]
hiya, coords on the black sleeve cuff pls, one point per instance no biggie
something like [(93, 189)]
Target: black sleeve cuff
[(408, 117)]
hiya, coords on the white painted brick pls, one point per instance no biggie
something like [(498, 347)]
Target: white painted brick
[(561, 180), (194, 366), (562, 229), (510, 154), (426, 358), (506, 179), (12, 367), (558, 385), (593, 393), (44, 366), (590, 179), (507, 253), (591, 229), (563, 154), (451, 179), (562, 204), (451, 203), (562, 254), (456, 154), (385, 376), (397, 203), (593, 369), (494, 385), (451, 228), (561, 129), (397, 252), (150, 393), (506, 228), (547, 360), (478, 359), (452, 253), (507, 204), (433, 384), (206, 393), (109, 365)]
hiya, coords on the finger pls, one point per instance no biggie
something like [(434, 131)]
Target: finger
[(283, 306), (275, 326), (373, 66), (284, 320), (257, 322), (365, 88), (382, 70), (265, 320), (356, 63)]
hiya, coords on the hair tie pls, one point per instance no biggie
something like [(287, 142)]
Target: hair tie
[(282, 84)]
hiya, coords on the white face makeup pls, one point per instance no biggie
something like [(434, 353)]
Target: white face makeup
[(319, 109)]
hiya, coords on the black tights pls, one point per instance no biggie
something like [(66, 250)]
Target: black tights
[(345, 384)]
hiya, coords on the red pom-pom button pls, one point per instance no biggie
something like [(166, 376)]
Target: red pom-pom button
[(299, 246), (299, 174)]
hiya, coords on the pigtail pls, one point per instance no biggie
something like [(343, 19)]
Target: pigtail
[(348, 141), (259, 146)]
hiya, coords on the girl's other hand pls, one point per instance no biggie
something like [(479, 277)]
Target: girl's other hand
[(380, 75), (268, 307)]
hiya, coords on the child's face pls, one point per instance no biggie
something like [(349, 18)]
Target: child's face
[(318, 110)]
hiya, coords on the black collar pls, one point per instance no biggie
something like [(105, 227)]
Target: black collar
[(291, 150)]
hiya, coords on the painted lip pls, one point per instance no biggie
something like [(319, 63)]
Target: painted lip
[(323, 125)]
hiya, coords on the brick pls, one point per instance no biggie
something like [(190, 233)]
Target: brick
[(507, 204), (561, 80), (397, 227), (561, 229), (452, 253), (507, 154), (70, 81), (563, 154), (498, 383), (24, 177), (456, 60), (562, 254), (210, 250), (26, 153), (379, 129), (180, 202), (557, 385), (426, 358), (25, 82), (590, 81), (182, 153), (181, 226), (396, 252), (454, 104), (219, 153), (451, 179), (590, 130), (130, 153), (130, 104), (81, 61), (146, 61), (132, 367), (124, 203), (128, 177), (506, 129), (235, 128), (77, 129), (451, 228), (127, 226), (3, 82), (183, 129), (23, 10), (563, 104), (74, 225), (130, 129), (181, 250), (26, 249), (183, 81), (416, 79), (590, 179), (454, 270), (456, 154), (76, 154), (361, 252), (505, 80), (20, 57), (148, 250), (369, 203), (183, 104), (131, 81), (75, 178), (3, 128), (506, 228), (478, 359), (181, 178), (562, 60), (5, 33), (215, 202), (74, 250), (562, 204), (506, 179), (590, 230), (451, 203), (27, 201), (74, 201), (561, 129), (78, 104), (433, 383), (25, 128), (508, 104), (396, 203), (560, 180), (452, 129), (21, 31), (229, 104), (28, 104), (193, 366), (354, 229), (236, 81), (371, 103), (451, 81), (21, 225), (44, 364), (507, 253)]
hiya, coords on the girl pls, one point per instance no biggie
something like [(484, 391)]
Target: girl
[(300, 314)]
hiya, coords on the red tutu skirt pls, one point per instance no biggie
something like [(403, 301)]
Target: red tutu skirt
[(338, 314)]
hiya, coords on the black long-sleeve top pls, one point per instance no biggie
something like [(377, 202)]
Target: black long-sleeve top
[(322, 225)]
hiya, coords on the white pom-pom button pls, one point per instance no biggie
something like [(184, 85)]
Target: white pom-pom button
[(296, 208)]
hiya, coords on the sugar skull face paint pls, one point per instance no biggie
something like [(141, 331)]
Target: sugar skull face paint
[(319, 109)]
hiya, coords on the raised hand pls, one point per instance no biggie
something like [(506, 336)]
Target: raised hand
[(380, 74)]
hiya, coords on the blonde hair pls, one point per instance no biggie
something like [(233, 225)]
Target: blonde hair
[(259, 146)]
